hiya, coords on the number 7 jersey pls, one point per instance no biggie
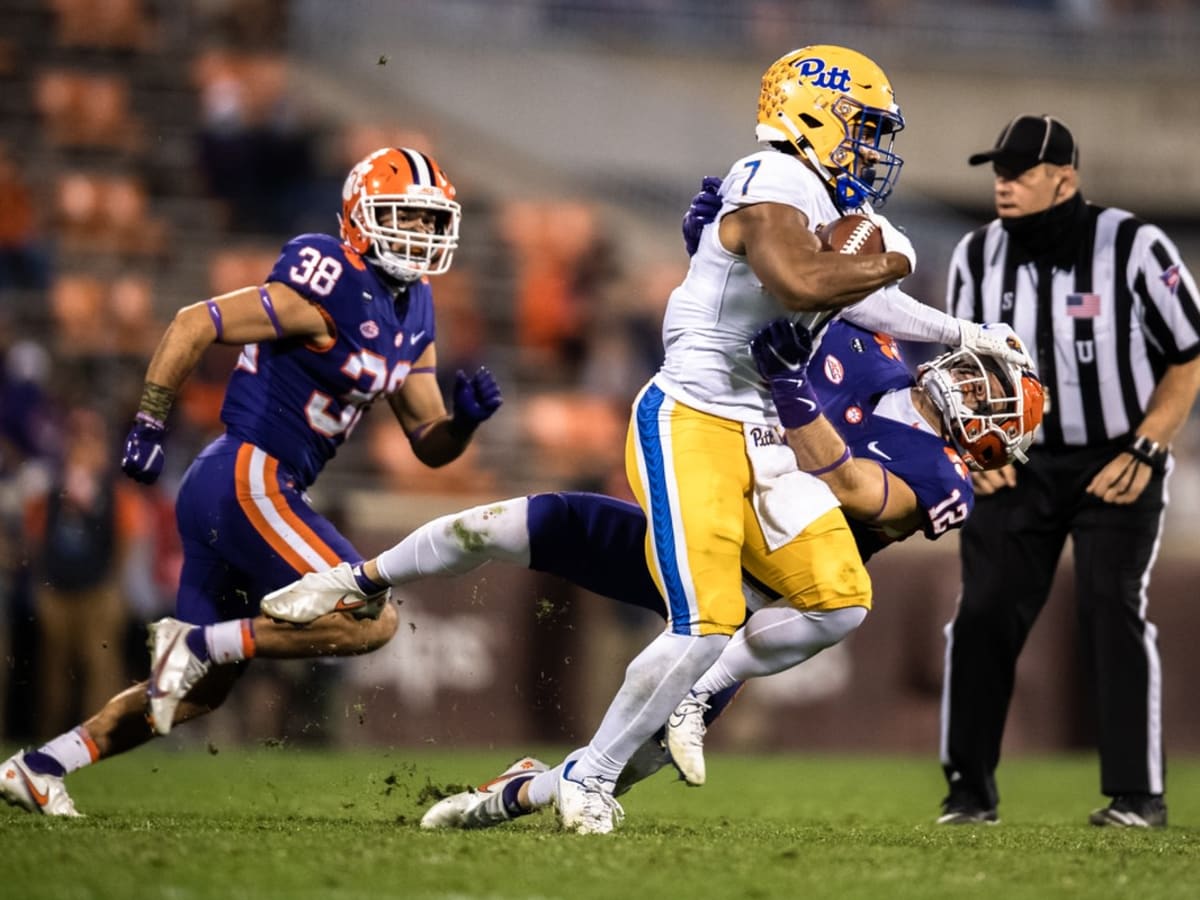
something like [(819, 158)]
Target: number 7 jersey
[(299, 402)]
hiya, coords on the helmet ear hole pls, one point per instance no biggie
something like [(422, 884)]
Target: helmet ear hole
[(810, 121)]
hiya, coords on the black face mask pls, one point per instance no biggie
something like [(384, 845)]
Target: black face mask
[(1050, 235)]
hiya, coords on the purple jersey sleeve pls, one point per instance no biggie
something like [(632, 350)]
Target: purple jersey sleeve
[(298, 401)]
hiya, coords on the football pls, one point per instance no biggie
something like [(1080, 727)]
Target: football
[(851, 234)]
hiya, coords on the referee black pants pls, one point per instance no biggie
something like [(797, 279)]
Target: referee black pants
[(1010, 548)]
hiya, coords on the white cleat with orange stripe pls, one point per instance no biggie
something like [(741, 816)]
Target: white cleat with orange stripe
[(174, 671), (41, 794), (320, 593), (483, 807)]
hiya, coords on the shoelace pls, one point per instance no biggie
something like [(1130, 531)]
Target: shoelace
[(602, 790), (692, 710)]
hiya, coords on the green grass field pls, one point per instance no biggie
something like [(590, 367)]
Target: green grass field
[(282, 823)]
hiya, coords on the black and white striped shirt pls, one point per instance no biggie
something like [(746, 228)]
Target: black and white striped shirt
[(1102, 333)]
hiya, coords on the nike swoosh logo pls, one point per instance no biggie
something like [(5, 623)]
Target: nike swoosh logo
[(874, 448), (155, 690), (41, 798), (413, 338), (342, 604)]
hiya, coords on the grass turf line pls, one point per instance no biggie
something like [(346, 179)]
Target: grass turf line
[(284, 823)]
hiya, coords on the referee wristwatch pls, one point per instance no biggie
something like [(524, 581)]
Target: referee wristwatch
[(1150, 452)]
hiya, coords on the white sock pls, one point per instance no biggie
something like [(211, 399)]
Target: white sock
[(229, 641), (460, 542), (776, 638), (72, 750), (544, 786), (657, 679)]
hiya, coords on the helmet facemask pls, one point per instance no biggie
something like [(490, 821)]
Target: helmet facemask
[(989, 408), (407, 253)]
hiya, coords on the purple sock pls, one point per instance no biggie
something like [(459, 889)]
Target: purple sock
[(43, 764), (509, 795), (198, 643), (368, 586)]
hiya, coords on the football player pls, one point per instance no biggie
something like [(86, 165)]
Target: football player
[(336, 325), (717, 495), (903, 448)]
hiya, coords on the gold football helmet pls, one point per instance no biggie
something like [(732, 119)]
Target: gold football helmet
[(838, 109), (382, 199)]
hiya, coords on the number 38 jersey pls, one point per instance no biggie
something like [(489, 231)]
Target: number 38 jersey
[(851, 371), (299, 402)]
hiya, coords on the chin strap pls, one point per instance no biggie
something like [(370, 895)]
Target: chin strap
[(847, 192)]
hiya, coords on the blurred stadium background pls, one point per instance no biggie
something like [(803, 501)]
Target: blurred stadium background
[(156, 152)]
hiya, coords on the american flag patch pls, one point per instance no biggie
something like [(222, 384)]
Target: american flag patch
[(1170, 277), (1083, 306)]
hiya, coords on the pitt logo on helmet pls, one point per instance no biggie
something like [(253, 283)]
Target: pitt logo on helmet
[(835, 78)]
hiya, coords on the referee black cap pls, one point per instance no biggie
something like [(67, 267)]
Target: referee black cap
[(1029, 140)]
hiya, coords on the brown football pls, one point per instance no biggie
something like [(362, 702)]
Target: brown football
[(851, 234)]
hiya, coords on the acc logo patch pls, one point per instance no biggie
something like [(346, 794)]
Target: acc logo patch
[(854, 415), (834, 370), (369, 329)]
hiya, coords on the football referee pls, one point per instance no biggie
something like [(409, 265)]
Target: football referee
[(1110, 314)]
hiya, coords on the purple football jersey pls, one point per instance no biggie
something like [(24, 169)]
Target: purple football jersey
[(299, 402)]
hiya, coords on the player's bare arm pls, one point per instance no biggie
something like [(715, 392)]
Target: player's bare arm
[(237, 318), (437, 436), (866, 490), (786, 256)]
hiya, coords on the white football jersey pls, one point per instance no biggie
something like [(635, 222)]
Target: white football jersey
[(712, 316)]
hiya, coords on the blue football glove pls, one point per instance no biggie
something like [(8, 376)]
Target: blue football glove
[(475, 399), (781, 351), (144, 457), (704, 208)]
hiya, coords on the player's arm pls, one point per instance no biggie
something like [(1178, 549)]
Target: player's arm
[(246, 316), (436, 435), (786, 256), (866, 490), (249, 315)]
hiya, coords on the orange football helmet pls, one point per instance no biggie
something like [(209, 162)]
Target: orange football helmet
[(990, 408), (383, 199)]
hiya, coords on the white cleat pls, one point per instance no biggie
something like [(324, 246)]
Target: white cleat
[(320, 593), (42, 794), (174, 671), (587, 806), (685, 738), (483, 807)]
